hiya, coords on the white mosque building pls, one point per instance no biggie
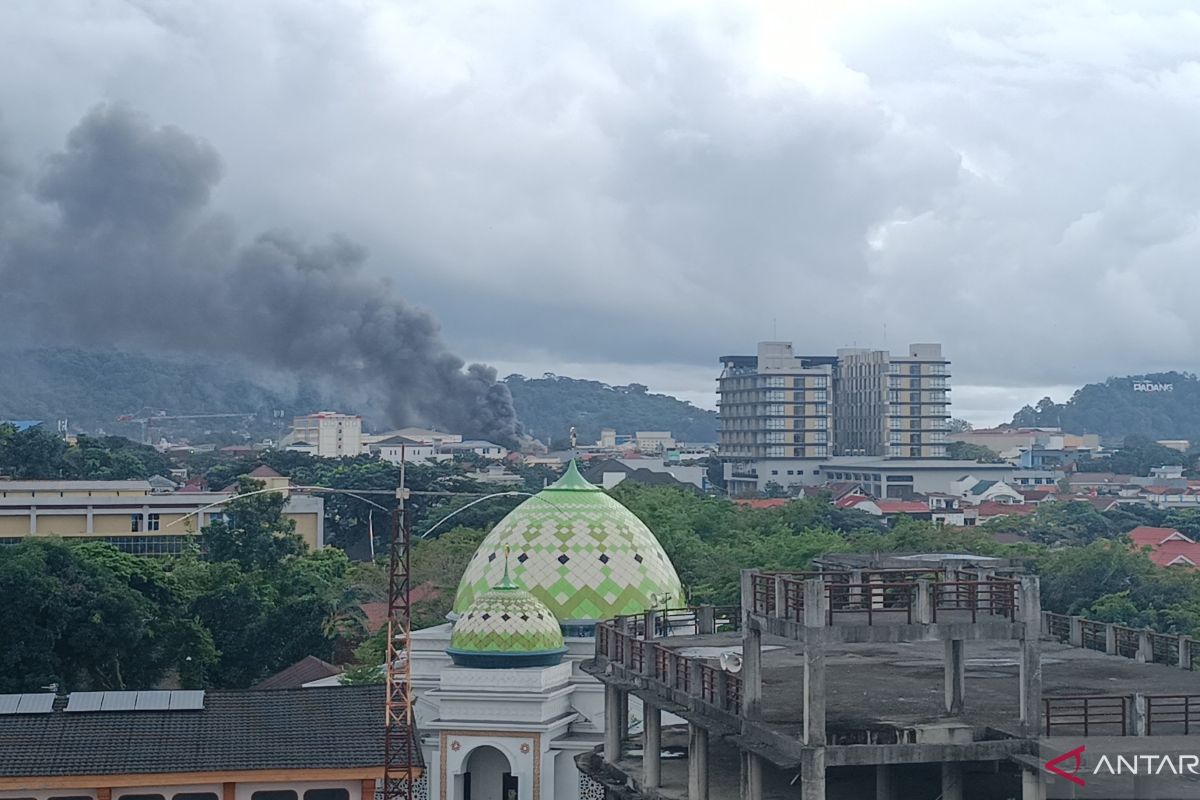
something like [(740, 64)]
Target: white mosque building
[(502, 706)]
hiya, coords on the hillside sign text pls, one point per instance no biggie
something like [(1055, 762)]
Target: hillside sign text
[(1153, 387)]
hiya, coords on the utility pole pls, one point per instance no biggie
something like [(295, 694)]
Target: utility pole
[(398, 744)]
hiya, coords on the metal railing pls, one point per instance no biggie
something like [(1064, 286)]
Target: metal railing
[(891, 597), (1087, 713), (1142, 644), (1179, 710)]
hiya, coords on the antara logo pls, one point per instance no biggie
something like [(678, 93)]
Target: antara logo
[(1076, 756)]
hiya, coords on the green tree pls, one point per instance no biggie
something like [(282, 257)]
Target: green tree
[(253, 531), (972, 452)]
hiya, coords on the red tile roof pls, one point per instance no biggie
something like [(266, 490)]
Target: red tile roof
[(1168, 547), (377, 613), (263, 471), (850, 500)]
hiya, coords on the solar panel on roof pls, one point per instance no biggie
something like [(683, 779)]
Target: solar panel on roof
[(153, 701), (42, 703), (118, 701), (8, 703), (84, 701), (187, 700)]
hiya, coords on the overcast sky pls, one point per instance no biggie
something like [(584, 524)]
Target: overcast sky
[(625, 191)]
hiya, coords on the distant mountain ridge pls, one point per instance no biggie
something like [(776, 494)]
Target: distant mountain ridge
[(549, 406), (92, 388), (1158, 405)]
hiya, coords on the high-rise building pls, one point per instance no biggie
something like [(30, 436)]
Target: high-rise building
[(786, 412), (332, 435)]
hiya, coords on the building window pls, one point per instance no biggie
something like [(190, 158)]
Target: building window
[(822, 423), (914, 369), (915, 452), (199, 796), (895, 437), (276, 794), (819, 396), (142, 797), (820, 451), (896, 450), (135, 523), (328, 794), (776, 396), (152, 522), (914, 397), (776, 451), (773, 382), (820, 382)]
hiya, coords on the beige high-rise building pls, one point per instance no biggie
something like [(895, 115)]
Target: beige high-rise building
[(782, 413), (329, 434)]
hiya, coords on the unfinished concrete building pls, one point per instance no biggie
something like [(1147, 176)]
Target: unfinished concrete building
[(899, 677)]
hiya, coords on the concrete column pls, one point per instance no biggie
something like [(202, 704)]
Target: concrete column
[(706, 620), (697, 762), (1110, 639), (612, 724), (622, 714), (91, 521), (33, 520), (747, 595), (751, 673), (781, 599), (1138, 716), (1145, 651), (924, 615), (952, 780), (651, 746), (1185, 653), (653, 620), (1032, 787), (885, 782), (812, 774), (956, 676), (1076, 632), (855, 595), (752, 788), (1031, 655), (814, 667), (1045, 623)]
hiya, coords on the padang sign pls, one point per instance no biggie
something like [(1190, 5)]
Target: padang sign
[(1142, 386)]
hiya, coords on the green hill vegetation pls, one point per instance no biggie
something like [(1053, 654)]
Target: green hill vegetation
[(91, 388), (549, 406), (1121, 407)]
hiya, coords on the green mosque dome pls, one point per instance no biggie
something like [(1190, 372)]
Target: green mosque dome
[(506, 627), (579, 551)]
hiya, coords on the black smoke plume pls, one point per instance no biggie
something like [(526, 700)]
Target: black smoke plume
[(113, 243)]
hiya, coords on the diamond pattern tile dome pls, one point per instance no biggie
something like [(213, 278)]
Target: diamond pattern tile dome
[(579, 551), (506, 621)]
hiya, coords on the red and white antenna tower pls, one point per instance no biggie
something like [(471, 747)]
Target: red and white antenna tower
[(398, 745)]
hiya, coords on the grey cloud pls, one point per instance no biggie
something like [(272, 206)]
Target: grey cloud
[(133, 256), (629, 183)]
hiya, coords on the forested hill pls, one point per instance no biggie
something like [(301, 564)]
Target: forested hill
[(549, 406), (92, 388), (1140, 405)]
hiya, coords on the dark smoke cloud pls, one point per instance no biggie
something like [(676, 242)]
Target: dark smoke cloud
[(116, 245)]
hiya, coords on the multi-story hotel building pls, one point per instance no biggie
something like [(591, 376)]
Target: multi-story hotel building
[(782, 414)]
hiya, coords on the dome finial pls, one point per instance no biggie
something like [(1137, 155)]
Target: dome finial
[(573, 481), (506, 582)]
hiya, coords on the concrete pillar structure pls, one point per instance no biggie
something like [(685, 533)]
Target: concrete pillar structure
[(924, 611), (1185, 653), (1145, 651), (1031, 655), (812, 774), (1075, 637), (622, 716), (751, 672), (747, 595), (1110, 639), (1032, 787), (1138, 715), (952, 780), (752, 788), (885, 783), (956, 675), (697, 762), (706, 620), (612, 723), (652, 746), (814, 665)]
